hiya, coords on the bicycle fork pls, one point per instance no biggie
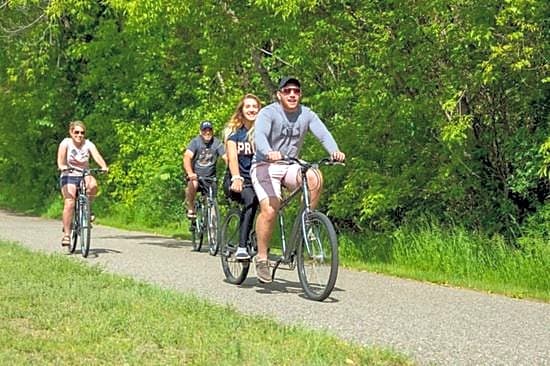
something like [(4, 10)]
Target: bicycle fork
[(83, 202), (311, 235)]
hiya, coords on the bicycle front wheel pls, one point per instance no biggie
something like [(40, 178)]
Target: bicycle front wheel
[(235, 271), (212, 228), (74, 230), (197, 229), (85, 226), (317, 257)]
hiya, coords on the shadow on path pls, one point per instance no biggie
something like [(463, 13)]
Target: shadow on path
[(95, 252), (153, 240)]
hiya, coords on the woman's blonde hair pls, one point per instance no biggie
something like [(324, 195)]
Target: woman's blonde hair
[(74, 124), (237, 119)]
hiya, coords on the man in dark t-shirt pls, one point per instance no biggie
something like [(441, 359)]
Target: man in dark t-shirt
[(199, 160)]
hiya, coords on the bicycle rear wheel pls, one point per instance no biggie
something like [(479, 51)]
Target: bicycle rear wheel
[(197, 229), (317, 257), (235, 271), (85, 226), (213, 226)]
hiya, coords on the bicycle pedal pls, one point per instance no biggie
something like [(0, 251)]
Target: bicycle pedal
[(286, 267)]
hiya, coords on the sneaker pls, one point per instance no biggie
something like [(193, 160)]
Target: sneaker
[(191, 214), (92, 217), (241, 254), (262, 271)]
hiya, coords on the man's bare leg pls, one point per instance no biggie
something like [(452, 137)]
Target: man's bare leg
[(190, 193), (315, 184), (265, 222)]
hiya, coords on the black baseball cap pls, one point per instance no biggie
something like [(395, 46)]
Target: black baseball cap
[(288, 80), (206, 124)]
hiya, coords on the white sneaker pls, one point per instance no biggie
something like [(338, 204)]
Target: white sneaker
[(241, 254)]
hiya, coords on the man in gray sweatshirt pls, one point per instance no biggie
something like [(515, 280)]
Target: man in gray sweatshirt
[(280, 131)]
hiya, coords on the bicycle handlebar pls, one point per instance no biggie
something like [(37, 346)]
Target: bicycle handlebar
[(206, 179), (84, 171), (305, 164)]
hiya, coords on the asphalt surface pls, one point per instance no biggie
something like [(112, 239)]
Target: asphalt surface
[(430, 323)]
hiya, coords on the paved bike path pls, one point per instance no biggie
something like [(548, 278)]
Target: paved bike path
[(433, 324)]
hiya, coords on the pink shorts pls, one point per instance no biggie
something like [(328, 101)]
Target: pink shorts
[(268, 177)]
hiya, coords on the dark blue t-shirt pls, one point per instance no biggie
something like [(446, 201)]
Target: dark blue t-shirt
[(245, 151)]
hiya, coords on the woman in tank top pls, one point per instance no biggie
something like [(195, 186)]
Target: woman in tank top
[(75, 152)]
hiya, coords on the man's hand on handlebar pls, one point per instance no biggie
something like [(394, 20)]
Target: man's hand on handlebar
[(338, 156)]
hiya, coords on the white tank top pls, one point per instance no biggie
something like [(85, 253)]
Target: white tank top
[(78, 157)]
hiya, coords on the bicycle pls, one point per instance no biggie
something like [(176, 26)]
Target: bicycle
[(312, 246), (81, 226), (207, 219)]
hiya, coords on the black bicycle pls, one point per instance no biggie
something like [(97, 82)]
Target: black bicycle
[(207, 218), (81, 223), (312, 246)]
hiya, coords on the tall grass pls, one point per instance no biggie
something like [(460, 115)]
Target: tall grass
[(458, 257)]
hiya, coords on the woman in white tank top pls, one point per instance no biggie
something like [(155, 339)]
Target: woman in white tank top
[(75, 152)]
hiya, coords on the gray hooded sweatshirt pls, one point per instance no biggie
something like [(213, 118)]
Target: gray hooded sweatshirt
[(277, 130)]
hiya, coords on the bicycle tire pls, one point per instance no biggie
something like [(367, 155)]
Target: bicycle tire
[(74, 230), (197, 232), (85, 226), (317, 257), (212, 228), (235, 271)]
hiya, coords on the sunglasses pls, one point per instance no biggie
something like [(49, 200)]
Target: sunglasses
[(78, 132), (288, 91)]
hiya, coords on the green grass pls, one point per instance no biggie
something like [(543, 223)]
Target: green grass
[(54, 310), (455, 257), (176, 230)]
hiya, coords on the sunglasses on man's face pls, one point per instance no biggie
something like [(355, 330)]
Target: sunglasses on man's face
[(288, 91), (78, 132)]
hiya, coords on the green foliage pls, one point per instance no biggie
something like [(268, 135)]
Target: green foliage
[(537, 228), (544, 150), (441, 106)]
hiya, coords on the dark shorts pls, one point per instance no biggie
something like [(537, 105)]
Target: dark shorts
[(203, 187), (66, 179)]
